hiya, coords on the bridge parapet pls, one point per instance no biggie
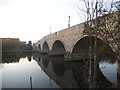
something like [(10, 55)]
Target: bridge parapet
[(67, 36)]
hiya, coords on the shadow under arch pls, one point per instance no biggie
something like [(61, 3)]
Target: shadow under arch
[(81, 48), (39, 47), (58, 48), (45, 48), (58, 65)]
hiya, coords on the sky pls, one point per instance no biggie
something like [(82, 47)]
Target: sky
[(32, 19)]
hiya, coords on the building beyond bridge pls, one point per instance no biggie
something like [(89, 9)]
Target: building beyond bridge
[(74, 42)]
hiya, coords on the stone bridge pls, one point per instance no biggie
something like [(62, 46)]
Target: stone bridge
[(72, 42)]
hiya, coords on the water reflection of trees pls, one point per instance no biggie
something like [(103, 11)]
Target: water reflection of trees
[(81, 75), (74, 74), (106, 54), (14, 57)]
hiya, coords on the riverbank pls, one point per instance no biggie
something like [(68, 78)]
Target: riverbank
[(17, 51)]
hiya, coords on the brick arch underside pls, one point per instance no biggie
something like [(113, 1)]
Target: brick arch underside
[(58, 49), (81, 49), (39, 47), (45, 48)]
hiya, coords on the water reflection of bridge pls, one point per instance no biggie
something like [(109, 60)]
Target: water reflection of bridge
[(73, 74)]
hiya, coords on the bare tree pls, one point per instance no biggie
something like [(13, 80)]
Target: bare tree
[(102, 20)]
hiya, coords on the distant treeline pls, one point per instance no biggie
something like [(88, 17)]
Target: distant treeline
[(16, 46)]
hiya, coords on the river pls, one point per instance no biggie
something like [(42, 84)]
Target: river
[(54, 72)]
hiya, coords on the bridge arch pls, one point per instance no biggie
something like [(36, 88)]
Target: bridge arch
[(81, 47), (58, 48), (39, 47), (45, 48), (35, 47)]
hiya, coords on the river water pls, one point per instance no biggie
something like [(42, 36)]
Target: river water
[(54, 72)]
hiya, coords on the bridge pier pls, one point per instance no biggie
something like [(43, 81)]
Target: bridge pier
[(56, 53), (67, 57), (38, 51), (43, 52)]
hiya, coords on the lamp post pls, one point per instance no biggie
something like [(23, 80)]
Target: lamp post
[(50, 30), (68, 21)]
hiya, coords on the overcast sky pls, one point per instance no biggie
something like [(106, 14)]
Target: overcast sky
[(32, 19)]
